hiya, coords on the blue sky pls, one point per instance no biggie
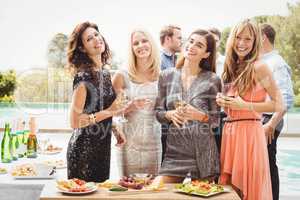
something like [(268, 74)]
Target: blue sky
[(28, 25)]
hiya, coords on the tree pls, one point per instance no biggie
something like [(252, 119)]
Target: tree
[(224, 37), (57, 51), (8, 83)]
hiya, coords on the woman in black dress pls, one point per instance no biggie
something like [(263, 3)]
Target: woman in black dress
[(93, 105)]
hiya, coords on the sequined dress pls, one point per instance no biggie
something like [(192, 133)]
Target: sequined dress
[(89, 149)]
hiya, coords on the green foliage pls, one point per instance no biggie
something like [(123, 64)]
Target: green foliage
[(224, 37), (297, 101), (261, 19), (44, 85), (32, 86), (57, 49), (7, 83), (7, 99)]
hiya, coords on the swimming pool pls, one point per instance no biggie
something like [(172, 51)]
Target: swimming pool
[(288, 159)]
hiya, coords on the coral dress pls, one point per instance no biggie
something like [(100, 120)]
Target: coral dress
[(244, 155)]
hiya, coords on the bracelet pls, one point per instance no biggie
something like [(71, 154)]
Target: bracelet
[(92, 118)]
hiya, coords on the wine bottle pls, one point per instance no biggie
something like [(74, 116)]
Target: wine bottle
[(6, 145)]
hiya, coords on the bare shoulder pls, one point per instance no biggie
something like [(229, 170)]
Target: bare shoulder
[(118, 80), (80, 89)]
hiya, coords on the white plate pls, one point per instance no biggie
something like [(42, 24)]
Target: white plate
[(78, 193), (59, 164), (50, 152), (202, 195)]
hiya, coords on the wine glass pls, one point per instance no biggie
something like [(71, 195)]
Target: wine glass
[(227, 90), (43, 142), (122, 100), (179, 105)]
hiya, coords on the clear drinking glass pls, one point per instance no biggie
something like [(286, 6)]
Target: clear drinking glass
[(122, 99), (179, 105)]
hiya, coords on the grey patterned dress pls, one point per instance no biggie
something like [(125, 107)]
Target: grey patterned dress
[(88, 154), (191, 148)]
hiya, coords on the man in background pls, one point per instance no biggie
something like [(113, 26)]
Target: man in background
[(273, 122), (219, 70), (220, 58), (171, 41)]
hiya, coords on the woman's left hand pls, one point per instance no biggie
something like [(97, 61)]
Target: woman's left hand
[(234, 103), (192, 113)]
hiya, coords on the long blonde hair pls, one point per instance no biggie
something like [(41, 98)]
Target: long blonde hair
[(154, 66), (242, 74)]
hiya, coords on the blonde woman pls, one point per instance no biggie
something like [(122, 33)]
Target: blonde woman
[(244, 155), (142, 153)]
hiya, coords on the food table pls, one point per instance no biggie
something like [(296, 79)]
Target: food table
[(50, 193), (45, 189)]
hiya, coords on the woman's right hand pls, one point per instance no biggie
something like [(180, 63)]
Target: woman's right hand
[(176, 117), (137, 104), (115, 108)]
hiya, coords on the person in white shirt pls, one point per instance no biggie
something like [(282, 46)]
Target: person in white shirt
[(273, 122), (220, 58)]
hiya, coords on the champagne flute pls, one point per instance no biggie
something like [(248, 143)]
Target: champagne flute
[(179, 105), (123, 99)]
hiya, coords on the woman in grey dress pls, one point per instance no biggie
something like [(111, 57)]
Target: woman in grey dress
[(191, 145)]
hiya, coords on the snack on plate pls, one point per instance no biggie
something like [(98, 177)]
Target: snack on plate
[(3, 170), (135, 182), (24, 170), (108, 184), (55, 163), (200, 187), (51, 148), (75, 185), (157, 184)]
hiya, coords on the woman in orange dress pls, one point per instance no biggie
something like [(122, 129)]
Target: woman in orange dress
[(244, 155)]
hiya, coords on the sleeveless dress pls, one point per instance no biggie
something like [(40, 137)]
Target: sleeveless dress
[(244, 155), (89, 148), (142, 151)]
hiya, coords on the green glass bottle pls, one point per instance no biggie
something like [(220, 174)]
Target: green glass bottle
[(32, 140), (5, 145), (14, 146), (22, 147)]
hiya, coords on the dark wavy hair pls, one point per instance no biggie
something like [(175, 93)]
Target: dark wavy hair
[(208, 63), (79, 60)]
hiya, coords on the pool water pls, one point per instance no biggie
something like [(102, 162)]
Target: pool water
[(289, 170)]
